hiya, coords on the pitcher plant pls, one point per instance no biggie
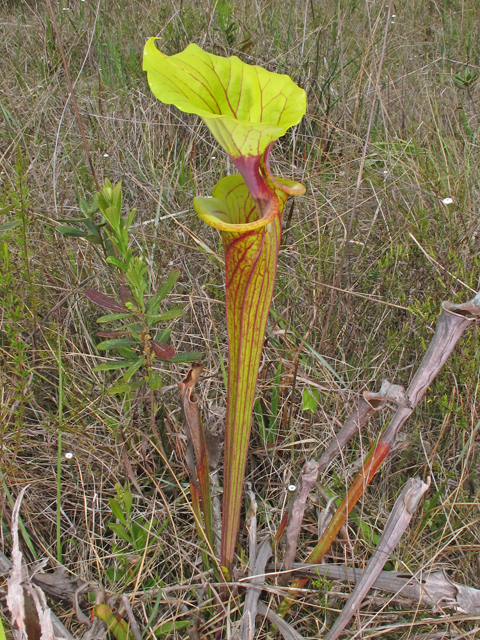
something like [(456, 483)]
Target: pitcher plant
[(247, 109)]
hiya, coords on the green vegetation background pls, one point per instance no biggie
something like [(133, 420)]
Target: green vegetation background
[(349, 326)]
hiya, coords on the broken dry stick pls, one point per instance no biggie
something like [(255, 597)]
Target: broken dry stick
[(307, 479), (398, 521), (434, 590), (451, 325), (287, 631), (31, 616), (453, 321), (367, 406), (199, 472), (246, 627)]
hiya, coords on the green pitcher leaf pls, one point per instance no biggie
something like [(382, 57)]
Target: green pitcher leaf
[(245, 107), (310, 399), (251, 249), (119, 627), (232, 208)]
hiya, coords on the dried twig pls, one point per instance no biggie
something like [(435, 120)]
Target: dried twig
[(246, 627), (435, 589), (196, 454), (31, 617), (367, 406), (453, 321), (131, 618), (287, 631), (398, 521)]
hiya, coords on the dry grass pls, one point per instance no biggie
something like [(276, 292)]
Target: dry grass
[(407, 252)]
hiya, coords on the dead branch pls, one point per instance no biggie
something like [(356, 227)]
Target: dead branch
[(367, 406), (399, 519), (434, 590)]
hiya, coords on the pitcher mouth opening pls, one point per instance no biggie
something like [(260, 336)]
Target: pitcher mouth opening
[(268, 193), (469, 310)]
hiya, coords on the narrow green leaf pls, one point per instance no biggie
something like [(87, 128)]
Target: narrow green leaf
[(131, 217), (117, 510), (117, 262), (113, 316), (114, 364), (133, 369), (186, 356), (163, 336), (71, 220), (127, 353), (93, 239), (85, 207), (174, 312), (123, 387), (167, 286), (10, 225), (72, 232), (92, 228), (127, 500), (120, 532), (117, 196), (154, 381), (112, 214), (114, 344), (6, 210)]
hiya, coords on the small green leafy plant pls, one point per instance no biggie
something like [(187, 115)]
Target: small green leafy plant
[(466, 79), (136, 339), (225, 23), (133, 534)]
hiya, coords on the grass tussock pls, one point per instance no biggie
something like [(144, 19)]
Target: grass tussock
[(363, 269)]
